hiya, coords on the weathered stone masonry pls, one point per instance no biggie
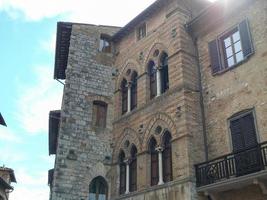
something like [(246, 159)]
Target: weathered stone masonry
[(181, 29)]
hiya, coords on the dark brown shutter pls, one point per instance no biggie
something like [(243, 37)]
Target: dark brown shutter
[(245, 38), (134, 94), (124, 96), (243, 132), (122, 178), (99, 114), (214, 56), (167, 165), (133, 175), (154, 168), (248, 127)]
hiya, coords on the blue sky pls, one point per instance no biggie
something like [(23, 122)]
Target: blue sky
[(28, 91)]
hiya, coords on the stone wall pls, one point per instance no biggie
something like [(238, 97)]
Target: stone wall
[(84, 152), (177, 110)]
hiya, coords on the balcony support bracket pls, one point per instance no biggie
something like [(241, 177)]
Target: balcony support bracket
[(262, 185)]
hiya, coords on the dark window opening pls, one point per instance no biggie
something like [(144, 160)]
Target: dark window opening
[(124, 96), (98, 189), (141, 31), (164, 73), (152, 73), (167, 157), (133, 169), (99, 114), (105, 44), (134, 91), (154, 162), (122, 173)]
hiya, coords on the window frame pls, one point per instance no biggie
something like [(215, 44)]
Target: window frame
[(221, 55), (98, 112), (103, 40), (239, 115), (222, 48), (140, 35)]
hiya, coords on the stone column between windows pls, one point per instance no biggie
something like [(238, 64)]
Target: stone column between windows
[(159, 150), (129, 84), (127, 176), (158, 81)]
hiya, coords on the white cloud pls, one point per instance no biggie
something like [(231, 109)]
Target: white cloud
[(8, 135), (30, 186), (9, 156), (49, 45), (116, 12), (36, 100)]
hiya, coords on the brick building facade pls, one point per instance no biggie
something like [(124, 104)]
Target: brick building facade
[(171, 106)]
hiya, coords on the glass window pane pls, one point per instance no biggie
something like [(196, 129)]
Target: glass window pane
[(102, 197), (229, 52), (230, 61), (239, 56), (237, 47), (227, 42), (92, 196), (236, 36)]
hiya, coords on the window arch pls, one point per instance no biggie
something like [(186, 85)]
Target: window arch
[(152, 73), (98, 189), (134, 90), (100, 114), (124, 96), (133, 169), (164, 72), (122, 172), (167, 157), (154, 162)]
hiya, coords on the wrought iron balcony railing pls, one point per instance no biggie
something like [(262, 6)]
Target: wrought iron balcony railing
[(232, 165)]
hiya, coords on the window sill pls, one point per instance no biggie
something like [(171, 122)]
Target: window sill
[(232, 67), (153, 188)]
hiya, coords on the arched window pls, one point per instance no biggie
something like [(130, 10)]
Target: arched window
[(134, 90), (124, 96), (164, 72), (152, 72), (122, 172), (154, 162), (99, 114), (167, 157), (98, 189), (133, 169)]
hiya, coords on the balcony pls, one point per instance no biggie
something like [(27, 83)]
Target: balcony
[(233, 170)]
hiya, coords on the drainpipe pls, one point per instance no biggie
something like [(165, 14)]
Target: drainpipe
[(202, 108)]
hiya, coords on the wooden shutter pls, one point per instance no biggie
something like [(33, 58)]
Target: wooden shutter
[(243, 132), (133, 175), (246, 38), (215, 56), (99, 114), (134, 94), (124, 97), (164, 79), (167, 164), (122, 178), (154, 168)]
